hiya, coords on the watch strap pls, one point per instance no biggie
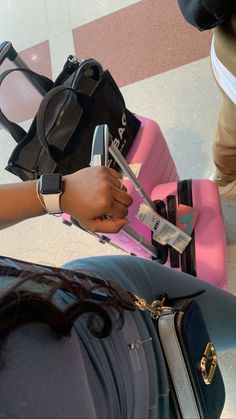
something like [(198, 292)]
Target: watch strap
[(52, 203)]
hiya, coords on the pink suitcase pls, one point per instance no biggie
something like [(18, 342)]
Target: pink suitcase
[(209, 257), (205, 255), (151, 154)]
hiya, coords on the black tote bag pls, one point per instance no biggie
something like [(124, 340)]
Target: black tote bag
[(60, 137)]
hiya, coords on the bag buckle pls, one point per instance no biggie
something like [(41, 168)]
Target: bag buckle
[(156, 309), (209, 363), (73, 62)]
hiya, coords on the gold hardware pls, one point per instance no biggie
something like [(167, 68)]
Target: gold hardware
[(209, 363), (155, 309)]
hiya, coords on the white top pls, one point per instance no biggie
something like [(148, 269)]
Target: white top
[(224, 77)]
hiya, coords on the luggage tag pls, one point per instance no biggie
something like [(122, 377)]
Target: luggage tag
[(163, 231), (186, 218)]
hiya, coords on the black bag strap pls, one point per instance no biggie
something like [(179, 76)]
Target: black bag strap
[(84, 101), (162, 249), (169, 214), (46, 84), (15, 130), (171, 217), (41, 80), (188, 260)]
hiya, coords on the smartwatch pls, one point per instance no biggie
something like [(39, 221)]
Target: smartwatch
[(50, 190)]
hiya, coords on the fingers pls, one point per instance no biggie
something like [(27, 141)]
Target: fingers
[(111, 189), (91, 193), (122, 197), (108, 225), (116, 178), (114, 173), (113, 201), (117, 210), (120, 185)]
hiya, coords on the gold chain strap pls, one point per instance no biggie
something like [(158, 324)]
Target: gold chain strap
[(156, 309)]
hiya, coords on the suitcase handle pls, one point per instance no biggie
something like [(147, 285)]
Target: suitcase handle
[(44, 85), (100, 147), (126, 169), (7, 51)]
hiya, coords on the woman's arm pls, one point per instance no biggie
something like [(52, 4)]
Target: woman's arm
[(19, 201), (88, 195)]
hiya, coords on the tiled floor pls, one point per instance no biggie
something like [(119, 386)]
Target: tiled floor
[(163, 68)]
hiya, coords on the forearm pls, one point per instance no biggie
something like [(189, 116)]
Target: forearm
[(19, 201), (87, 196)]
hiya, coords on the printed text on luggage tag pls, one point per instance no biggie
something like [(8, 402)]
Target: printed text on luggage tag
[(163, 231)]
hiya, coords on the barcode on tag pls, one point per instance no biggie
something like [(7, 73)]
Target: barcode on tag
[(163, 231)]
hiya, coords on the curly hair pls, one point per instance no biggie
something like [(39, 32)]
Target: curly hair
[(57, 297)]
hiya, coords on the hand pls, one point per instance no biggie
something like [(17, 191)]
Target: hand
[(92, 193)]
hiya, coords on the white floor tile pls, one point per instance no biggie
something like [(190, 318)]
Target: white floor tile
[(24, 22), (84, 11), (61, 46), (185, 102)]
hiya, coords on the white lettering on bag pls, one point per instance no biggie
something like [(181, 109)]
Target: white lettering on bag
[(123, 120), (119, 142), (121, 132)]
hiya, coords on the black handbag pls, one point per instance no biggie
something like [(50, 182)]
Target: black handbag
[(196, 384), (60, 136)]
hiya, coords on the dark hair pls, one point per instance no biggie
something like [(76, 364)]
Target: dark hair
[(57, 297)]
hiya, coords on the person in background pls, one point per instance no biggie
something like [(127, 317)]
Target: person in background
[(220, 15)]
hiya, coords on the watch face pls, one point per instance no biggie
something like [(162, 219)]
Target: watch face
[(50, 183)]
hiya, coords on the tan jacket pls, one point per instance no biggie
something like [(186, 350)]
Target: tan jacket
[(225, 44)]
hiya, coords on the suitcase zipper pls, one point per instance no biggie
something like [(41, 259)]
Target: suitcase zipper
[(188, 262), (171, 211)]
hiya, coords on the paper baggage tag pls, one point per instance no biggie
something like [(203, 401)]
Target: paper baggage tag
[(186, 218), (135, 167), (163, 231)]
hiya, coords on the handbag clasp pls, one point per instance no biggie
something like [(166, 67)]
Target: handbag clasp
[(209, 363), (156, 309)]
